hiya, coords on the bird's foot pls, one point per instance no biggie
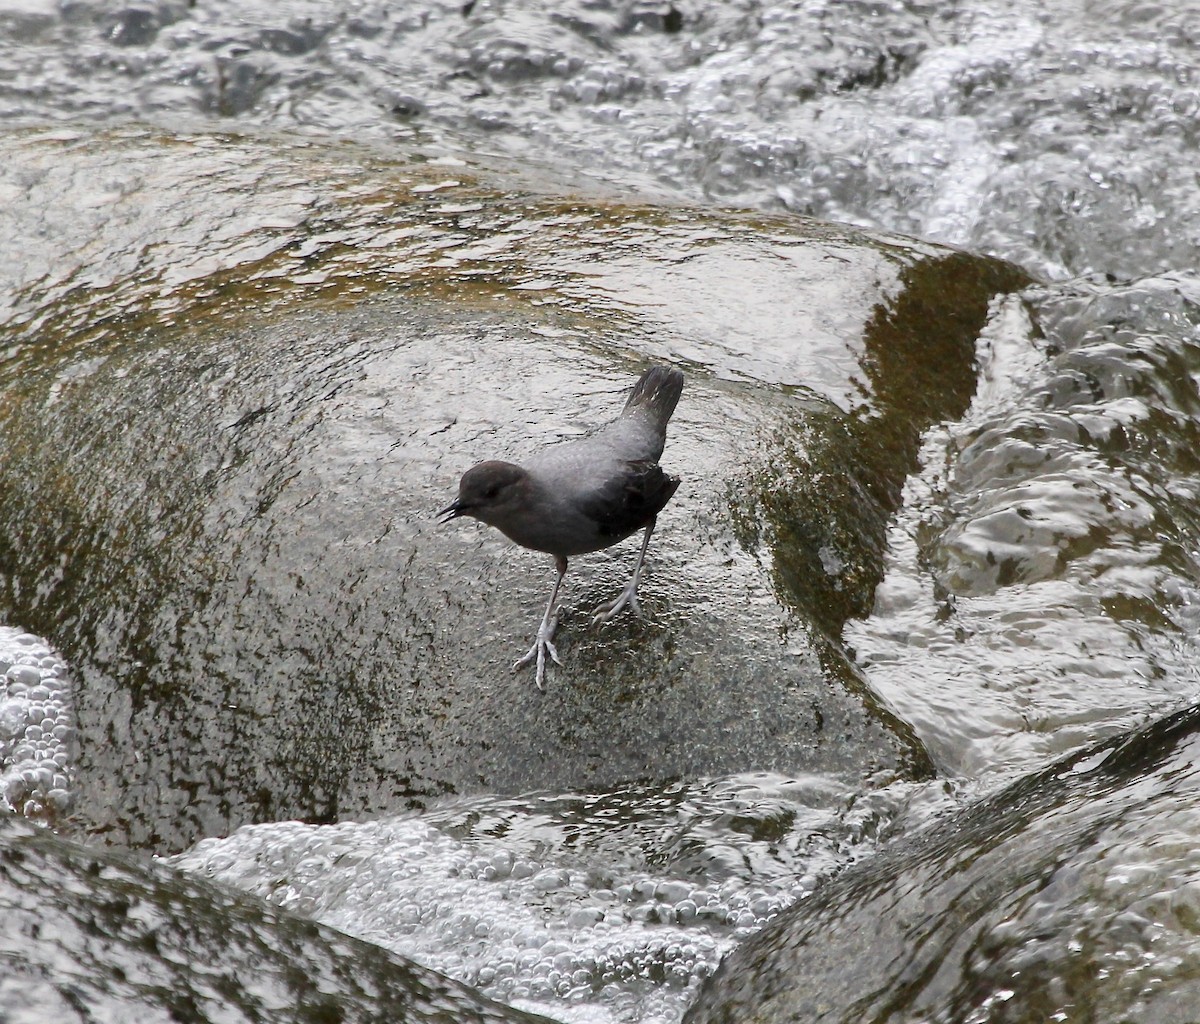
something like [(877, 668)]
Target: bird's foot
[(542, 645), (627, 598)]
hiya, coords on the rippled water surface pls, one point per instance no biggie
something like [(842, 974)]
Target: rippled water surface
[(1057, 135), (1041, 590), (587, 908)]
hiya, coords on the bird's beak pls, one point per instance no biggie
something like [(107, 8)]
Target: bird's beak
[(451, 511)]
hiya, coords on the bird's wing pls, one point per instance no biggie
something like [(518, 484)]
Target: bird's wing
[(629, 499)]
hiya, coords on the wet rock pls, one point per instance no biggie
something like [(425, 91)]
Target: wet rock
[(132, 26), (221, 508), (1068, 895), (89, 935)]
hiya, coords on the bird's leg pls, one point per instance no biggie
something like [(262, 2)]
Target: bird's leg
[(628, 596), (545, 634)]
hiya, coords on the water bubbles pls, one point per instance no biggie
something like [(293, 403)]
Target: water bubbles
[(37, 727), (550, 880), (554, 913), (14, 715)]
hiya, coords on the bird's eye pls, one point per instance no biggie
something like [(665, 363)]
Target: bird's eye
[(492, 491)]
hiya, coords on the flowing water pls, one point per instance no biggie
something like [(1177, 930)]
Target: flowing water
[(1041, 590)]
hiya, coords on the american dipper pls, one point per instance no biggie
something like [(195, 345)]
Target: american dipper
[(581, 496)]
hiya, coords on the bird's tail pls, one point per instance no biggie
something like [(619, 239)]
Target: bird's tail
[(657, 392)]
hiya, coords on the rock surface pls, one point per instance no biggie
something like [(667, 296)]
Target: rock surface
[(219, 493), (89, 935), (1070, 895)]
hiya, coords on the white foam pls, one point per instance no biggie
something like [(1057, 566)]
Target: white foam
[(570, 906), (37, 727)]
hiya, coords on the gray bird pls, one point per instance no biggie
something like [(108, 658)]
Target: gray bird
[(581, 496)]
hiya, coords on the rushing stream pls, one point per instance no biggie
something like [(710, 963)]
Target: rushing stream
[(1041, 585)]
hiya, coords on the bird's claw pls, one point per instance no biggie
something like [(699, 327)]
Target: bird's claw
[(542, 645), (608, 611), (539, 651)]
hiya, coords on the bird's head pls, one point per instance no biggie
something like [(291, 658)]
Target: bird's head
[(490, 492)]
